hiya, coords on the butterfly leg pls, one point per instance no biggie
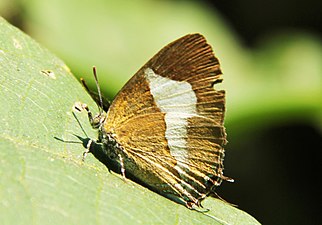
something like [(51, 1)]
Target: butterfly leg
[(122, 166), (80, 107), (95, 121), (88, 149)]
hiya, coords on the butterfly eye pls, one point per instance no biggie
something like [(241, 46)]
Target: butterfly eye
[(97, 120)]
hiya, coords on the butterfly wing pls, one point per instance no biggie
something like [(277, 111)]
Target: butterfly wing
[(168, 120)]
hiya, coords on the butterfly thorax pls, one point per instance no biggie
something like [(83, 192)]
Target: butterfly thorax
[(110, 146)]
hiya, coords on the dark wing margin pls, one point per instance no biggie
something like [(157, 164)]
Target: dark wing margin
[(191, 59)]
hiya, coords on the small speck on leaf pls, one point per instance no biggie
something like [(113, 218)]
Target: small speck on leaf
[(49, 73), (17, 44)]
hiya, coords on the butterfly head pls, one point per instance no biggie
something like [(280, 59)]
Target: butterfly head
[(97, 120)]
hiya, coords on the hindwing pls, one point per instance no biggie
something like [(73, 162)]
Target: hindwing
[(168, 121)]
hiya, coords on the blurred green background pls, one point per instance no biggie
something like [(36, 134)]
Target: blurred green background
[(271, 56)]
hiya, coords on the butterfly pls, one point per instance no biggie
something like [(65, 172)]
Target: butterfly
[(165, 126)]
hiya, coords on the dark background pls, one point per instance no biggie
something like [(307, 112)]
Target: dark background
[(285, 159), (255, 19)]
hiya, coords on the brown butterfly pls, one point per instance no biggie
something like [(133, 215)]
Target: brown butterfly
[(165, 126)]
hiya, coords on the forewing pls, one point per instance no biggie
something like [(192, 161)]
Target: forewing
[(169, 118)]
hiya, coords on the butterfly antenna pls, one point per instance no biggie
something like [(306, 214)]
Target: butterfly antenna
[(98, 90)]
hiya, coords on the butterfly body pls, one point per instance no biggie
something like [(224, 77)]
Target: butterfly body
[(165, 126)]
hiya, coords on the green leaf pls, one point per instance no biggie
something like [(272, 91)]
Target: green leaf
[(42, 177)]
